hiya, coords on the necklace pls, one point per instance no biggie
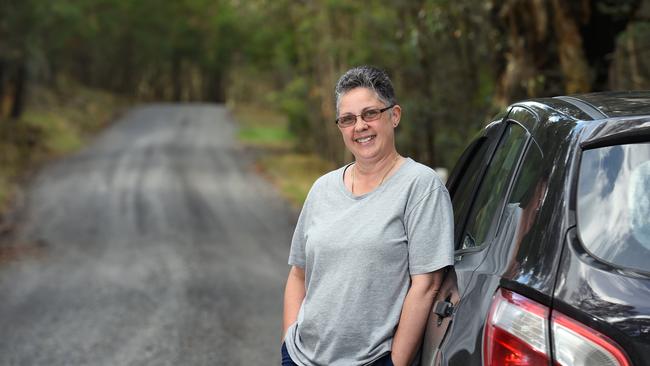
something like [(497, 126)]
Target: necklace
[(382, 178)]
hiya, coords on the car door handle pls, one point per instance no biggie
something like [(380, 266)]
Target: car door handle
[(443, 309)]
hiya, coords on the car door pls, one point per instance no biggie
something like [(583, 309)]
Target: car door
[(462, 183), (478, 188)]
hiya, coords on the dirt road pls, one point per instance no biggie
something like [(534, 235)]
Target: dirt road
[(160, 247)]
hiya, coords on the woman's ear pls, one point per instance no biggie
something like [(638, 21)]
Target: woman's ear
[(396, 115)]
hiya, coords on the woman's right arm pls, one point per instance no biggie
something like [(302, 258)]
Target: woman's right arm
[(294, 293)]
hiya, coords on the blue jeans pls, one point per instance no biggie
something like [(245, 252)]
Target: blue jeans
[(287, 361)]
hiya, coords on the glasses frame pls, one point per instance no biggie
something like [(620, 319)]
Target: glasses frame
[(381, 110)]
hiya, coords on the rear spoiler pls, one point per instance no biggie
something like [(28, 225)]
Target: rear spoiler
[(628, 131)]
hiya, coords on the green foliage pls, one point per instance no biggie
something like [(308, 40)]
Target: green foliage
[(281, 53), (175, 50), (292, 102), (447, 58)]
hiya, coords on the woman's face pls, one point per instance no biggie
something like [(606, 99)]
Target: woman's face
[(368, 140)]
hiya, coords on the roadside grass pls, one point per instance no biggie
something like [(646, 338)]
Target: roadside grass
[(55, 123), (273, 137), (291, 172), (59, 135), (294, 173), (262, 128)]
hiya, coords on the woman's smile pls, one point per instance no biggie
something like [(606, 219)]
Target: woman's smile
[(365, 140)]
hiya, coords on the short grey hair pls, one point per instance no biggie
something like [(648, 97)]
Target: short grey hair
[(369, 77)]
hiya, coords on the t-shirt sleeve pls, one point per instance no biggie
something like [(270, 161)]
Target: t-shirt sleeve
[(430, 232), (297, 255), (297, 252)]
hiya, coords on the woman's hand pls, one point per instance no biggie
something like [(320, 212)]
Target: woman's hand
[(294, 293), (415, 313)]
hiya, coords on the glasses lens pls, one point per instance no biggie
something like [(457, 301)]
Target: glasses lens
[(347, 120), (370, 114)]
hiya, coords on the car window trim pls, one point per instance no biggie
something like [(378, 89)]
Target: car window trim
[(528, 109), (509, 188)]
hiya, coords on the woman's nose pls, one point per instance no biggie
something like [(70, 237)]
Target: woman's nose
[(360, 124)]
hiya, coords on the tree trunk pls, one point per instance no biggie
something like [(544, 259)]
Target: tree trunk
[(177, 92), (215, 91), (127, 80), (3, 66), (629, 68), (325, 74), (19, 90), (523, 25), (576, 71)]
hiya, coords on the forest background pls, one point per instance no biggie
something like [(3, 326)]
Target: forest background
[(66, 66)]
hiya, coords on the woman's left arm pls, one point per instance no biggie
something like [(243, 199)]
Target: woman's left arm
[(415, 312)]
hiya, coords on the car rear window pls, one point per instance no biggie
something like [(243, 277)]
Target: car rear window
[(614, 204)]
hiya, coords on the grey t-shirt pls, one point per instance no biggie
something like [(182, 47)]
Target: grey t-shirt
[(358, 253)]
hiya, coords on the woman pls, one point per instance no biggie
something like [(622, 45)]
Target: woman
[(370, 245)]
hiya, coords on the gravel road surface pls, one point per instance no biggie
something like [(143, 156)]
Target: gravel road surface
[(157, 245)]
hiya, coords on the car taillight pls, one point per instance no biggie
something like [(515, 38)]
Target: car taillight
[(576, 344), (516, 334)]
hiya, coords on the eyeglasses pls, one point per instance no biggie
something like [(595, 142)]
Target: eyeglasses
[(368, 115)]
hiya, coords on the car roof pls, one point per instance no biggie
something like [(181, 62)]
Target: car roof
[(619, 104), (595, 106), (611, 116)]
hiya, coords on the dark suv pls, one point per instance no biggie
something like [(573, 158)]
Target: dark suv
[(552, 213)]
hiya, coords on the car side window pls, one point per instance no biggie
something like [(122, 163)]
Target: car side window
[(485, 211), (462, 196), (526, 197)]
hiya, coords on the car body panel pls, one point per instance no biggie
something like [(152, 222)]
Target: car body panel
[(606, 299)]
